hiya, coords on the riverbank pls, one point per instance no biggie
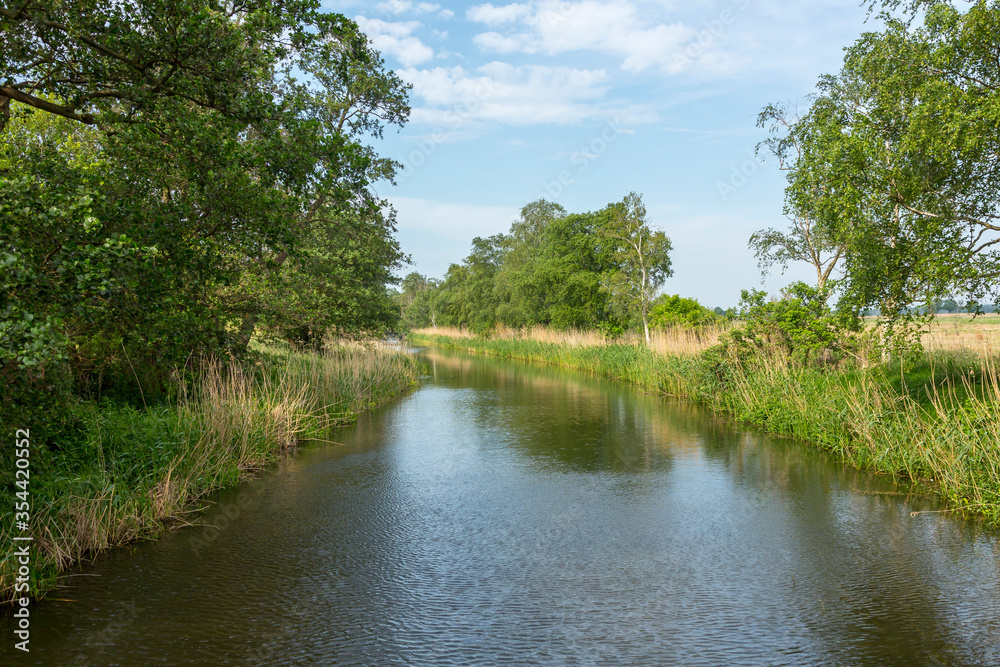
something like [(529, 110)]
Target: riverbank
[(935, 423), (140, 469)]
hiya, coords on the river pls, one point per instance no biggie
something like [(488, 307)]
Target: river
[(505, 513)]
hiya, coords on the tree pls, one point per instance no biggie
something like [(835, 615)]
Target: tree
[(806, 240), (642, 257), (466, 296), (250, 189), (799, 323), (107, 63), (671, 311), (904, 139), (418, 300)]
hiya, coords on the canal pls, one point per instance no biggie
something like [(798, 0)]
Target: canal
[(504, 513)]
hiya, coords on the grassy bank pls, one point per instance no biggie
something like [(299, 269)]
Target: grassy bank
[(142, 468), (936, 422)]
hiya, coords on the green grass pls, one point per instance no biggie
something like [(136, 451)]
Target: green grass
[(140, 468)]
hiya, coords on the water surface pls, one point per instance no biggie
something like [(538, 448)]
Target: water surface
[(512, 514)]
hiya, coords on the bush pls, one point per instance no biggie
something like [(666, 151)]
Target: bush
[(670, 311), (800, 324)]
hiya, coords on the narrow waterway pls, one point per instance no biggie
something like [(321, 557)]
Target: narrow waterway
[(514, 514)]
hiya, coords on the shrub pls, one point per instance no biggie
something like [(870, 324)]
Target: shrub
[(799, 324), (670, 311)]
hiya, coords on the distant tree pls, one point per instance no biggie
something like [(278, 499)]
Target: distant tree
[(903, 141), (552, 269), (418, 300), (668, 311), (466, 296), (411, 286), (642, 258)]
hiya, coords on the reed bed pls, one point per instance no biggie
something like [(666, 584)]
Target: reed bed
[(672, 341), (142, 468)]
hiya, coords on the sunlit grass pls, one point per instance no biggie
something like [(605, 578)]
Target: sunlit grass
[(673, 341)]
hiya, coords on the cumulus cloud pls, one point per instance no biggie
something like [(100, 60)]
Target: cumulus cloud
[(491, 15), (515, 95), (614, 27), (396, 39), (402, 6)]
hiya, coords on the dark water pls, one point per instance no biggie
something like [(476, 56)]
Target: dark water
[(506, 514)]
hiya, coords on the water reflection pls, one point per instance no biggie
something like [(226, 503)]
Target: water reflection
[(518, 514)]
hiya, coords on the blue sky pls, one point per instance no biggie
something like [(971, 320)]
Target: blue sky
[(580, 102)]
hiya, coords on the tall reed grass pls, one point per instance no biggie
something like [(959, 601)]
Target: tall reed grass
[(672, 341), (141, 468)]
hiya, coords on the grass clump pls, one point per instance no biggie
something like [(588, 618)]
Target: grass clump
[(136, 469)]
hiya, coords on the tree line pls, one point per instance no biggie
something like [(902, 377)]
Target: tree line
[(597, 270), (176, 177)]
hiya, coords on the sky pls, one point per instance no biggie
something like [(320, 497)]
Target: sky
[(582, 101)]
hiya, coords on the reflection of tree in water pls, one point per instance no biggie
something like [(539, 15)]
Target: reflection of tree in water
[(858, 577), (573, 420)]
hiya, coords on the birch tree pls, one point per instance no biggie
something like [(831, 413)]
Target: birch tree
[(642, 258)]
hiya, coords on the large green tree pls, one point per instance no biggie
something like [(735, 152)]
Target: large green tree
[(225, 149), (904, 139)]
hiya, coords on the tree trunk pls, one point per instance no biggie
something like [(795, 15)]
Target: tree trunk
[(250, 319)]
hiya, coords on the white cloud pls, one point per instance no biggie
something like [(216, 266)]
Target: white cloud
[(614, 27), (394, 6), (494, 41), (492, 16), (515, 95), (452, 220), (396, 39), (397, 7)]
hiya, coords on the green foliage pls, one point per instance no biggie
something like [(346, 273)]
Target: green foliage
[(642, 258), (418, 301), (588, 270), (552, 271), (671, 311), (897, 158), (799, 324), (155, 214)]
